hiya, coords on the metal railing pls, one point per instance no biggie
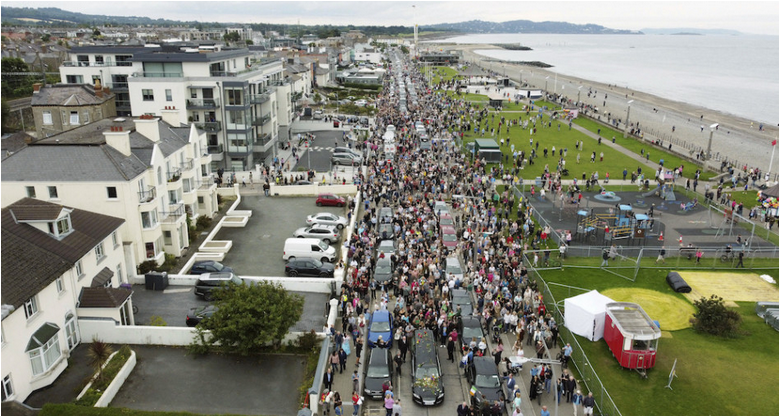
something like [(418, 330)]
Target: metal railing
[(203, 103), (259, 98), (214, 149), (187, 165), (147, 195), (263, 139), (175, 175), (209, 126), (148, 74), (262, 120), (97, 64), (175, 212)]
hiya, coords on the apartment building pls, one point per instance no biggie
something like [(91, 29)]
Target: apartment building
[(151, 172), (59, 263), (241, 101), (61, 107)]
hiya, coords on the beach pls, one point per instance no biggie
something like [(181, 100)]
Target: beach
[(737, 140)]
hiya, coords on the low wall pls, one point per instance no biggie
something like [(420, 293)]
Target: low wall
[(311, 190), (297, 284), (116, 384)]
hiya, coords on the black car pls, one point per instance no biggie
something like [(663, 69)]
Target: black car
[(206, 283), (379, 370), (425, 370), (309, 267), (483, 374), (471, 327), (196, 314), (202, 267)]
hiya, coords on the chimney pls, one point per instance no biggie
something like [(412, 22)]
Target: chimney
[(37, 88), (148, 127), (171, 116), (118, 139)]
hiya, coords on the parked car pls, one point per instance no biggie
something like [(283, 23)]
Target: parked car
[(206, 283), (329, 219), (448, 236), (361, 103), (343, 149), (483, 374), (346, 159), (379, 370), (309, 267), (326, 233), (471, 327), (329, 200), (427, 378), (202, 267), (384, 271), (318, 115), (380, 325), (336, 123), (196, 314), (303, 182)]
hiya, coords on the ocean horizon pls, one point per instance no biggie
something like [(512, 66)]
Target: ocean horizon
[(738, 75)]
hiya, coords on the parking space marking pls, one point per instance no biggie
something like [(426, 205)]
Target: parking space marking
[(177, 290)]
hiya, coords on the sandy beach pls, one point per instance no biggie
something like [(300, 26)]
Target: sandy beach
[(736, 139)]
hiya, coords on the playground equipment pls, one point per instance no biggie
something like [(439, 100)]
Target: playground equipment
[(665, 188), (625, 224)]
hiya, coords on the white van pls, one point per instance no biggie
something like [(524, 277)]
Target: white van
[(308, 248), (391, 128), (388, 137)]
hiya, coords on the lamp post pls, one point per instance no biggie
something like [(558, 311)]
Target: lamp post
[(627, 119), (713, 128), (546, 84), (520, 78), (579, 95)]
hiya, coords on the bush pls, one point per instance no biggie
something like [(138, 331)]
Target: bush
[(147, 266), (157, 321), (219, 199), (109, 372), (203, 222), (714, 318), (308, 341)]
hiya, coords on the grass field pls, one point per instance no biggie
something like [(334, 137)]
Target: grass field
[(714, 376)]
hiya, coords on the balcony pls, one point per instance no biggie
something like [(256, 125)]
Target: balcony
[(176, 211), (202, 104), (118, 86), (97, 64), (148, 195), (209, 126), (187, 165), (262, 120), (280, 83), (148, 74), (263, 139), (259, 98), (215, 149), (174, 176)]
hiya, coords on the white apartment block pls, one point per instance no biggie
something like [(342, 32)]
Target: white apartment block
[(150, 172), (59, 263), (241, 101)]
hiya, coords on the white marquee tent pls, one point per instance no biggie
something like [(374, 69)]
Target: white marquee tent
[(585, 314)]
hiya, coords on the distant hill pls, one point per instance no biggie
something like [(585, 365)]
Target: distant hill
[(527, 26), (59, 17), (689, 31)]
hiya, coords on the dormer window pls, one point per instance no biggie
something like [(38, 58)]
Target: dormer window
[(61, 227)]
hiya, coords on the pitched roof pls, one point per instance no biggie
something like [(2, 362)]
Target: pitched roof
[(102, 277), (33, 259), (101, 297), (14, 142)]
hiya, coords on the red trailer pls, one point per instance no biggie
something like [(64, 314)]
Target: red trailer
[(632, 336)]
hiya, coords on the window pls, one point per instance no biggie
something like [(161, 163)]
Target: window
[(79, 270), (119, 273), (149, 219), (63, 226), (149, 247), (114, 240), (8, 388), (30, 191), (74, 79), (167, 238), (44, 348), (111, 192), (74, 120), (30, 307), (99, 252), (146, 95), (234, 97), (47, 118), (168, 95), (60, 286), (52, 192)]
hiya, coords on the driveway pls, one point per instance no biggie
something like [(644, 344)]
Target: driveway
[(169, 379)]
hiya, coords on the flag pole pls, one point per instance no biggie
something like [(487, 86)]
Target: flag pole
[(772, 158)]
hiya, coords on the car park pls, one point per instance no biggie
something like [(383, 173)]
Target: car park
[(426, 374), (206, 283), (329, 200), (380, 326), (203, 267), (449, 237), (346, 159), (384, 271), (197, 314), (483, 374), (326, 233), (327, 219), (309, 267), (379, 370)]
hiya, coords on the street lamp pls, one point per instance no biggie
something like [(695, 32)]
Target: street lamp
[(579, 95), (546, 84), (713, 128), (627, 119), (520, 78)]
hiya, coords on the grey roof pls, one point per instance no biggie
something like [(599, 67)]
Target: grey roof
[(33, 259), (14, 142), (102, 297), (100, 279), (68, 95), (63, 157)]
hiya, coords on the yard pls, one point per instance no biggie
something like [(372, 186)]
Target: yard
[(714, 376)]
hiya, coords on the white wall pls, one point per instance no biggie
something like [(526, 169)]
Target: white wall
[(311, 190)]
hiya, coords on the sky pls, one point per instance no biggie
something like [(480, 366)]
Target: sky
[(752, 17)]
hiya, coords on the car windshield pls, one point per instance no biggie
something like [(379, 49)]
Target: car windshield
[(218, 266), (449, 237), (386, 246), (317, 263), (426, 371), (471, 332), (453, 269), (380, 327), (446, 221), (383, 269), (323, 246), (487, 381), (378, 371)]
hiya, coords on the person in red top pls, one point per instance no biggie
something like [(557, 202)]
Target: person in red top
[(356, 399)]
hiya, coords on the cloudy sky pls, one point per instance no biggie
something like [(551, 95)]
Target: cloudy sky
[(761, 17)]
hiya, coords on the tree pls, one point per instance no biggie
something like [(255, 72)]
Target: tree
[(46, 37), (15, 86), (99, 353), (248, 42), (4, 119), (713, 317), (249, 317), (96, 33), (231, 37)]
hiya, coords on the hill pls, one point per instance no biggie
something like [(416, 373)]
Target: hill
[(527, 26)]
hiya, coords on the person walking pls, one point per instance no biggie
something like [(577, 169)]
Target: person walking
[(397, 408), (661, 255), (741, 257), (544, 411), (388, 404), (605, 256), (588, 403), (338, 404), (328, 379), (577, 401), (570, 386), (355, 380), (357, 402), (699, 254), (343, 357), (398, 362), (463, 409), (567, 351), (450, 346), (334, 360)]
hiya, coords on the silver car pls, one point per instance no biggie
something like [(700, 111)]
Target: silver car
[(326, 233), (327, 219), (346, 159)]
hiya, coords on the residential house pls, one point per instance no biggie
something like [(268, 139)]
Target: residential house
[(151, 172), (59, 263), (61, 107)]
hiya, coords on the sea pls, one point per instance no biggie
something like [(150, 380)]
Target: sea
[(734, 74)]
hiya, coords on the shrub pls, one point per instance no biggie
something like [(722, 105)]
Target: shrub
[(308, 341), (147, 266), (219, 199), (203, 222), (713, 317), (157, 321), (106, 375)]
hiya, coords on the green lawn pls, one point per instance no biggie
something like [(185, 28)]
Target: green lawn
[(714, 376), (656, 153)]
